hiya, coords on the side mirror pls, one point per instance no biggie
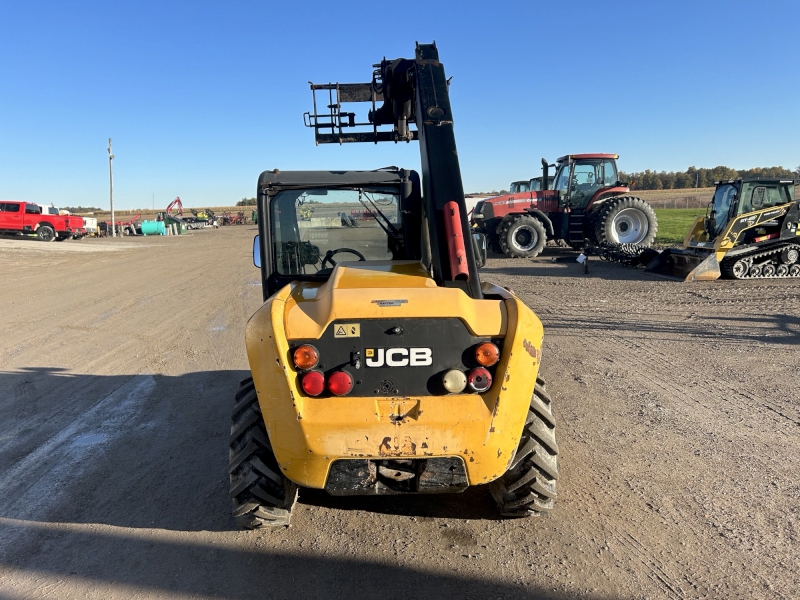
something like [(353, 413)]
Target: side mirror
[(479, 246), (256, 252)]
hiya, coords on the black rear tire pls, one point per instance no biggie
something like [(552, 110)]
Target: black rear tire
[(528, 488), (262, 495), (522, 236), (625, 220), (45, 233)]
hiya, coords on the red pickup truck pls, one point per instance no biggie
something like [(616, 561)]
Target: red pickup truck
[(26, 218)]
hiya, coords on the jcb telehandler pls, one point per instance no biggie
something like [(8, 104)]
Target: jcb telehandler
[(750, 231), (381, 363)]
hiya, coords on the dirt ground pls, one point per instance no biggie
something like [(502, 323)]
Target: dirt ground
[(677, 407)]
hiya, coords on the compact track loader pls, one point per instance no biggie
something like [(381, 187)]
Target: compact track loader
[(750, 232), (381, 363)]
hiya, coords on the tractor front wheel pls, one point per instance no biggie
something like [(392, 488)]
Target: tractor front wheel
[(262, 496), (528, 488), (522, 236)]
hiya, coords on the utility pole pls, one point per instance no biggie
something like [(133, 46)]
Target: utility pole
[(111, 188)]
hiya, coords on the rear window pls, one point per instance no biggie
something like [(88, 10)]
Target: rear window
[(32, 209)]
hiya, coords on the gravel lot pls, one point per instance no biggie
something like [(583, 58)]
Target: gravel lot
[(679, 433)]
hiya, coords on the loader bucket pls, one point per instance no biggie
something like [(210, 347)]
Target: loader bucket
[(685, 265)]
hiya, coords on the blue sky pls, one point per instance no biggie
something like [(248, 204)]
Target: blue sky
[(200, 97)]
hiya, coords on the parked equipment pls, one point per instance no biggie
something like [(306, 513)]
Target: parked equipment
[(750, 231), (381, 363), (587, 206)]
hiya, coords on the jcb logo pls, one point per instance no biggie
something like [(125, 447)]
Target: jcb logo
[(399, 357)]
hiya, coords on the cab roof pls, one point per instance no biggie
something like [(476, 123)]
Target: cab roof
[(278, 178), (759, 180), (579, 156)]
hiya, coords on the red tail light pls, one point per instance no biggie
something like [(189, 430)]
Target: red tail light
[(479, 380), (340, 383), (313, 383)]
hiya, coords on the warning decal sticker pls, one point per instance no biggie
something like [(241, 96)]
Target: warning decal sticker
[(347, 330)]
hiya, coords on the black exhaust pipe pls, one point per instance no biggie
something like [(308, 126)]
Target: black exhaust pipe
[(545, 173)]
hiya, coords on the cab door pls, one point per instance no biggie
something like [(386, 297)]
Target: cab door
[(11, 215)]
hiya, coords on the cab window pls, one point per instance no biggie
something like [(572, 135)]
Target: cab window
[(32, 209)]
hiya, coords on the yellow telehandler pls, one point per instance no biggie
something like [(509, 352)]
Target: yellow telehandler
[(381, 363)]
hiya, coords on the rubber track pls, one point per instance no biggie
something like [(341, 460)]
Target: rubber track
[(528, 488), (728, 264), (262, 496)]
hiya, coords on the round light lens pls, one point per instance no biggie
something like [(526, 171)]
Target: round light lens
[(340, 383), (479, 380), (313, 383), (454, 381), (306, 357), (487, 354)]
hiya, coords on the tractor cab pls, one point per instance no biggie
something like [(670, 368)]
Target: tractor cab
[(579, 177), (519, 186)]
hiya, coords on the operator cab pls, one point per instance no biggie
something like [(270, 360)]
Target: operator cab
[(579, 177), (519, 186), (736, 197), (310, 221)]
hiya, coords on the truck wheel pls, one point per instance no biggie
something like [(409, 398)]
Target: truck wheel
[(528, 488), (522, 236), (262, 496), (45, 233), (626, 220)]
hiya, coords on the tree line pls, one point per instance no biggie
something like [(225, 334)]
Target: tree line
[(694, 177)]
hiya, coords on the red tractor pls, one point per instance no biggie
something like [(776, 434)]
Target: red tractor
[(587, 206)]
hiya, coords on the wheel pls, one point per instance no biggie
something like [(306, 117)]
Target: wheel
[(768, 270), (45, 233), (625, 220), (528, 488), (794, 270), (522, 236), (782, 270), (262, 496), (740, 269), (755, 271), (330, 253), (790, 255)]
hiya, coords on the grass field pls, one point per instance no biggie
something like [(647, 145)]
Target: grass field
[(674, 223)]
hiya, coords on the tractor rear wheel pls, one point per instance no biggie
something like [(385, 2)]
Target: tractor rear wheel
[(528, 488), (522, 236), (262, 496), (625, 220)]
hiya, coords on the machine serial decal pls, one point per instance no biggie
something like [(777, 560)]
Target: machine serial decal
[(399, 357), (389, 302), (347, 330)]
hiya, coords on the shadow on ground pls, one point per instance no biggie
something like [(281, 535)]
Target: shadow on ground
[(122, 481)]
